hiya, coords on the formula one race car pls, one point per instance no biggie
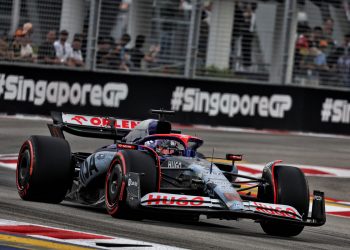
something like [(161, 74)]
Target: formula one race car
[(151, 168)]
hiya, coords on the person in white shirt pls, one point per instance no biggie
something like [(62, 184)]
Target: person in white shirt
[(26, 52), (62, 47), (75, 59)]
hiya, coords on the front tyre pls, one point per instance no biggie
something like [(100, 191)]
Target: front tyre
[(115, 189), (291, 189), (44, 170)]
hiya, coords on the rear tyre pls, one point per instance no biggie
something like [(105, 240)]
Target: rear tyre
[(115, 190), (44, 170), (292, 189)]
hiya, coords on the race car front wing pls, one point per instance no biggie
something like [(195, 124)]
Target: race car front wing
[(215, 208)]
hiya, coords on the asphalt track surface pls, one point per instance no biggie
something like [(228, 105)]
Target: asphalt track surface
[(206, 234)]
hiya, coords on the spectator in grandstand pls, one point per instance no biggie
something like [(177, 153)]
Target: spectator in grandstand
[(4, 46), (113, 58), (344, 67), (168, 12), (320, 41), (302, 47), (27, 29), (124, 41), (75, 59), (248, 27), (15, 48), (120, 57), (320, 60), (316, 36), (47, 52), (104, 50), (26, 53), (338, 52), (62, 47), (238, 21), (122, 17), (328, 26), (204, 34), (346, 43), (137, 55), (83, 38)]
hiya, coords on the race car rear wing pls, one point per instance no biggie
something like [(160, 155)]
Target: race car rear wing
[(90, 126)]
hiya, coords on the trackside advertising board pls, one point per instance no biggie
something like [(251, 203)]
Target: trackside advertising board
[(30, 90)]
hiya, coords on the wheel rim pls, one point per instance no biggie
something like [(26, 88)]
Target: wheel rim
[(113, 185), (24, 168)]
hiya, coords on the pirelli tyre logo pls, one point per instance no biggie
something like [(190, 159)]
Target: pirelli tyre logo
[(230, 104), (335, 111), (59, 93)]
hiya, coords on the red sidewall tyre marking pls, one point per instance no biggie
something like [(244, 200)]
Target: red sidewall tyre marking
[(22, 190), (112, 207)]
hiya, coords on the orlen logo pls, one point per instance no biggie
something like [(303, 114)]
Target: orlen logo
[(230, 104), (174, 200), (18, 88), (263, 208), (98, 121)]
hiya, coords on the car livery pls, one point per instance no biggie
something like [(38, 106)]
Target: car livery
[(152, 169)]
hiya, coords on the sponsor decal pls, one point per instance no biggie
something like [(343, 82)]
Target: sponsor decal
[(230, 104), (278, 210), (126, 146), (174, 164), (174, 200), (98, 121), (318, 197), (59, 93), (232, 196), (132, 183), (335, 111), (236, 205)]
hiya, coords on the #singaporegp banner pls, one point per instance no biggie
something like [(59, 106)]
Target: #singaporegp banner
[(30, 90)]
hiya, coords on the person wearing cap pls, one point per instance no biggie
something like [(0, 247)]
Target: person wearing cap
[(15, 48), (62, 47)]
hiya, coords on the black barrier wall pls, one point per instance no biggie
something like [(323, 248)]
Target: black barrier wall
[(29, 90)]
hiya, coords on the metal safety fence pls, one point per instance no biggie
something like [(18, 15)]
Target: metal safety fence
[(302, 42)]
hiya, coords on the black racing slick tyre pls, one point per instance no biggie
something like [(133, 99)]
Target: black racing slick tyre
[(115, 190), (44, 171), (292, 189)]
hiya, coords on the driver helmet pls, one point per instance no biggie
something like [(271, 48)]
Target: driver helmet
[(165, 147)]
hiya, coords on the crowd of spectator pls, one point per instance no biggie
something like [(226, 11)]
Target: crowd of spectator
[(52, 51), (319, 56), (56, 50), (118, 55)]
